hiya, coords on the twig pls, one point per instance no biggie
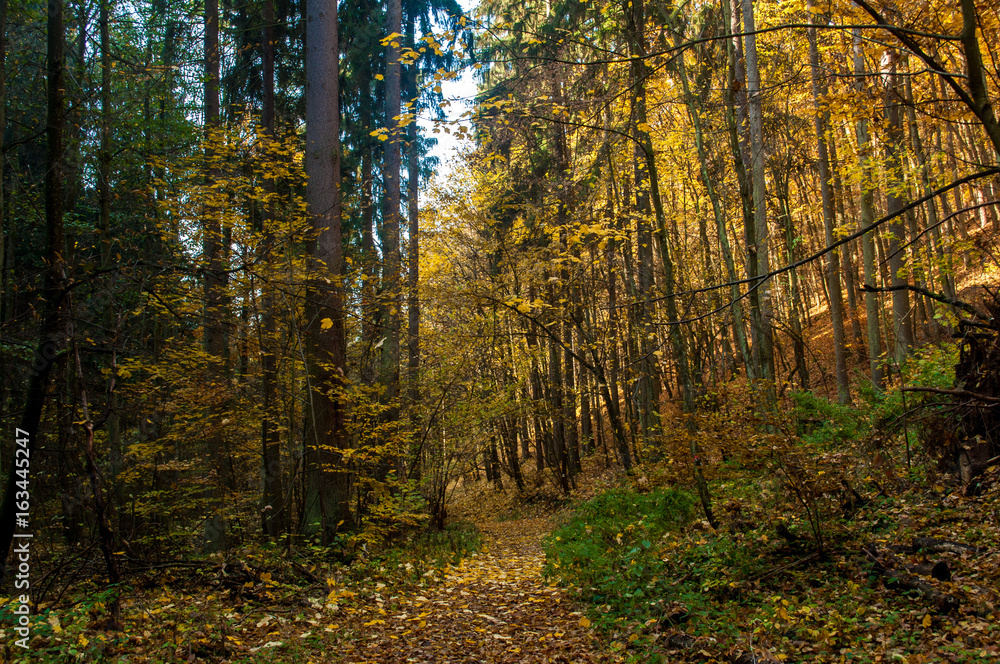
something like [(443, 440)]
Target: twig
[(778, 570)]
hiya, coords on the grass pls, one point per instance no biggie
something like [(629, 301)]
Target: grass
[(647, 578)]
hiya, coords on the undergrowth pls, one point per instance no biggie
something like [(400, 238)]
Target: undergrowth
[(211, 612), (784, 575), (609, 547)]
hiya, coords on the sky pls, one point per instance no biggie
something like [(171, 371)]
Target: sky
[(459, 93)]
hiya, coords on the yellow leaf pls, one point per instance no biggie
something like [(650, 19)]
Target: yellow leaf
[(927, 620), (324, 324), (585, 622)]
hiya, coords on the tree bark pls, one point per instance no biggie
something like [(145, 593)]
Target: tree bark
[(274, 511), (391, 281), (215, 284), (413, 249), (757, 245), (867, 219), (328, 482), (736, 308), (821, 123), (51, 335), (895, 202)]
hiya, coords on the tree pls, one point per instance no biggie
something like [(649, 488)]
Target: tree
[(826, 189), (51, 332), (328, 481)]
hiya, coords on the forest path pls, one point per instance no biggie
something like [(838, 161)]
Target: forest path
[(492, 607)]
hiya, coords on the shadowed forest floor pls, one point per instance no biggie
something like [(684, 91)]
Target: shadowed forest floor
[(712, 596), (494, 606)]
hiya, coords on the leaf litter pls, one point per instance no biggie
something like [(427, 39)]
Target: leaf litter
[(493, 606)]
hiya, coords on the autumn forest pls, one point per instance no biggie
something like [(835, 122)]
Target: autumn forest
[(685, 349)]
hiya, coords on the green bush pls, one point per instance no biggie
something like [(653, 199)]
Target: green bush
[(610, 547), (822, 422)]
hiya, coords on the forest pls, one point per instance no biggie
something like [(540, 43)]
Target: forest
[(688, 352)]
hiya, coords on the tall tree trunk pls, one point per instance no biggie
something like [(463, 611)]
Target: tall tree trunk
[(106, 535), (821, 123), (930, 208), (104, 158), (3, 129), (734, 96), (757, 245), (561, 458), (413, 249), (215, 283), (847, 263), (981, 103), (274, 511), (648, 407), (52, 336), (867, 219), (719, 215), (610, 386), (328, 483), (391, 282), (894, 145), (369, 306), (116, 451), (795, 292), (568, 387)]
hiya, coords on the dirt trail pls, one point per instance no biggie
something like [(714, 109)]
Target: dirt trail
[(493, 607)]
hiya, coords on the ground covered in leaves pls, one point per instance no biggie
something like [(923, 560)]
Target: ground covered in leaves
[(423, 604), (494, 606), (912, 575), (626, 570)]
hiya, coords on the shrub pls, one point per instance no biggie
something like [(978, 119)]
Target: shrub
[(610, 547)]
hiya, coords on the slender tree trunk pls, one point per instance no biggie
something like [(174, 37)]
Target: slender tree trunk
[(981, 102), (328, 482), (867, 219), (274, 510), (648, 411), (52, 336), (795, 294), (369, 307), (104, 156), (108, 539), (757, 246), (215, 283), (3, 129), (821, 123), (561, 458), (391, 282), (413, 250), (719, 215), (847, 263), (930, 208), (895, 202), (610, 387)]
